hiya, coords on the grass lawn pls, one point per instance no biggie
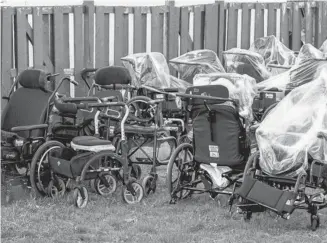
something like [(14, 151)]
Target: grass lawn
[(198, 219)]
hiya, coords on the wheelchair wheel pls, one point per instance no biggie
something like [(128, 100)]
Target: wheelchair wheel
[(140, 112), (128, 197), (149, 185), (81, 197), (40, 168), (102, 189), (56, 191), (180, 171)]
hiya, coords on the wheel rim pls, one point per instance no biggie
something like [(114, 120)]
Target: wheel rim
[(39, 183), (184, 159), (147, 182), (103, 190), (21, 170), (79, 201), (129, 198)]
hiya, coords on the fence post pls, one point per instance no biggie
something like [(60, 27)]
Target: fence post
[(172, 31), (89, 33)]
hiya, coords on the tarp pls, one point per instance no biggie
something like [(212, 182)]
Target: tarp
[(289, 132)]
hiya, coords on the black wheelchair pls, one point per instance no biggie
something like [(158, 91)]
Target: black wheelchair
[(25, 119), (216, 158)]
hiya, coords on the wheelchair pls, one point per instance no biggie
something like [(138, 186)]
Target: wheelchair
[(63, 168), (24, 128), (219, 149)]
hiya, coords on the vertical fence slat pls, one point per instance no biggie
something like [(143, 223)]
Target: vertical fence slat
[(308, 23), (232, 26), (221, 30), (318, 29), (22, 62), (139, 30), (66, 40), (121, 35), (99, 37), (284, 35), (211, 30), (157, 23), (296, 30), (89, 33), (259, 21), (184, 31), (198, 29), (323, 23), (6, 52), (37, 37), (271, 19), (173, 30), (59, 46), (47, 59), (81, 89), (246, 26)]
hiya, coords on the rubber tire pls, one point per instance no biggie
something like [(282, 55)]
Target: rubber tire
[(77, 193), (139, 98), (136, 171), (98, 181), (145, 184), (124, 189), (172, 162), (39, 152)]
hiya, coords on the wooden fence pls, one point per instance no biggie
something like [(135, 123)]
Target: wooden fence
[(74, 37)]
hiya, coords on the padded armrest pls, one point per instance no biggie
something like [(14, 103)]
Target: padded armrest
[(29, 128), (171, 90), (322, 134)]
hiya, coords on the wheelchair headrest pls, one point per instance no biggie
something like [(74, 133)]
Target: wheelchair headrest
[(112, 75), (33, 79)]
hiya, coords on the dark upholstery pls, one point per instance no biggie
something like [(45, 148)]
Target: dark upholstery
[(27, 106), (90, 141), (112, 75), (33, 79), (218, 91)]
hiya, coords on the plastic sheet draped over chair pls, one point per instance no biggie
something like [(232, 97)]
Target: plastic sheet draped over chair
[(246, 62), (289, 132), (273, 51), (307, 52), (323, 47), (298, 75), (240, 87), (196, 62), (151, 69)]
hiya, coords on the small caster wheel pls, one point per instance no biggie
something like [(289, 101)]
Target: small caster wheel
[(132, 197), (102, 188), (136, 171), (81, 197), (52, 190), (247, 216), (149, 185), (92, 185), (315, 222)]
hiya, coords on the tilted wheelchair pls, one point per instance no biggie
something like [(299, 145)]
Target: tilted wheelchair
[(25, 119), (63, 168), (219, 150)]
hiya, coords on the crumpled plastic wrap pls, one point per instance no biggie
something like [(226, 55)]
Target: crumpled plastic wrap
[(273, 51), (289, 132), (323, 47), (240, 87), (195, 62), (308, 51), (246, 62), (298, 75), (151, 69)]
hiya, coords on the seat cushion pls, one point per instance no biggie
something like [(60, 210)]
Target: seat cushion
[(89, 143)]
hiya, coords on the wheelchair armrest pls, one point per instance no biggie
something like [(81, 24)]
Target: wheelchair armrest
[(29, 128), (171, 90), (5, 97), (322, 134)]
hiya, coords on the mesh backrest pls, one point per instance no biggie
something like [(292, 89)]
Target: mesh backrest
[(25, 107)]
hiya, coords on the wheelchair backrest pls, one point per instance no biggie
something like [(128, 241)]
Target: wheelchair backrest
[(112, 75), (28, 104), (206, 90), (218, 133)]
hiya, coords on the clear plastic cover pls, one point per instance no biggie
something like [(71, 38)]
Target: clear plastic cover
[(323, 47), (240, 87), (308, 51), (246, 62), (298, 75), (151, 69), (289, 132), (273, 51), (195, 62)]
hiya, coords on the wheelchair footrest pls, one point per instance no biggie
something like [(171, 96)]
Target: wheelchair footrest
[(265, 195)]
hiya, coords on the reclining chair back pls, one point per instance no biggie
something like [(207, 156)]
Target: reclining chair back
[(28, 104), (218, 134)]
